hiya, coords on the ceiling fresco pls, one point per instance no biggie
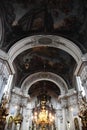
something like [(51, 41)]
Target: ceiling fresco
[(46, 87), (23, 18), (45, 59)]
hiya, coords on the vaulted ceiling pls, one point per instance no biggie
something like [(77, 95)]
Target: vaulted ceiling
[(45, 87), (44, 59), (22, 18)]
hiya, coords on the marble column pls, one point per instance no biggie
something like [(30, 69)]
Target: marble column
[(64, 106), (73, 109), (25, 123), (13, 126), (84, 84), (64, 118), (59, 119)]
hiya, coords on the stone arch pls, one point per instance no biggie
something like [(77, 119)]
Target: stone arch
[(45, 40), (44, 76)]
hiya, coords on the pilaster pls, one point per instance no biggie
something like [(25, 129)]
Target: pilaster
[(69, 104), (83, 76)]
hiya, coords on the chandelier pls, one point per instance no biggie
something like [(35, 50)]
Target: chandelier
[(43, 113)]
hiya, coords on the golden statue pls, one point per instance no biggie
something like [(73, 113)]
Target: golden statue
[(3, 112), (83, 113), (18, 118)]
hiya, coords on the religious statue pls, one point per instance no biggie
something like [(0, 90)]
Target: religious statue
[(18, 120), (83, 113)]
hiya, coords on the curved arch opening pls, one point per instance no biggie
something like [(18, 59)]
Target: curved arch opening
[(47, 76), (44, 86), (55, 41)]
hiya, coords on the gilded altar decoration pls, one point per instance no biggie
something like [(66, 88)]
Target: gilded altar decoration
[(76, 123), (83, 113), (18, 118), (44, 113), (4, 111)]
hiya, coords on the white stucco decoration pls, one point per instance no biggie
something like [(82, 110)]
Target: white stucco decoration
[(57, 42), (44, 76)]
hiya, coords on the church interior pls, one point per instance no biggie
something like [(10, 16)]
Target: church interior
[(43, 64)]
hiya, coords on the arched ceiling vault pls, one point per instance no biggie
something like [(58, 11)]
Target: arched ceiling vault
[(44, 78), (44, 59), (22, 18), (46, 87), (45, 40), (37, 36)]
